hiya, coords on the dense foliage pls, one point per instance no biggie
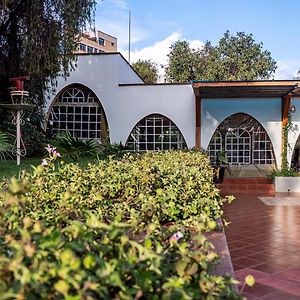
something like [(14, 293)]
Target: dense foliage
[(147, 70), (186, 64), (236, 57), (5, 145), (37, 38), (240, 58), (73, 147), (122, 229)]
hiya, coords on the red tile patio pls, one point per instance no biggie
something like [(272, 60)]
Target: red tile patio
[(265, 241)]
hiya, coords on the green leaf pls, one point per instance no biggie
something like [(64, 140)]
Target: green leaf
[(148, 243), (89, 262), (62, 287), (250, 280)]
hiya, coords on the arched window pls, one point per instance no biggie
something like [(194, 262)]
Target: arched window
[(78, 110), (155, 132), (237, 146), (244, 140), (73, 95), (215, 146), (262, 147)]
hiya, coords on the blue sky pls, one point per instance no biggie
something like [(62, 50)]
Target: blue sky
[(156, 24)]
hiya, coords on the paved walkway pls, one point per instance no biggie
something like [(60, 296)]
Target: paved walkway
[(265, 241)]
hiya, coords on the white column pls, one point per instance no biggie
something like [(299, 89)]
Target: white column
[(18, 123)]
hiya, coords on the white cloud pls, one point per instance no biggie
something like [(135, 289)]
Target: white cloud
[(158, 52), (287, 69), (196, 44)]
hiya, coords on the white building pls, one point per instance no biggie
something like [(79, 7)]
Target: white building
[(245, 119)]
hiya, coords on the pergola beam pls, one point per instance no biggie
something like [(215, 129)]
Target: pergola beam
[(198, 122)]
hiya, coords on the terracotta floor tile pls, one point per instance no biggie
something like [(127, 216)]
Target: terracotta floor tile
[(241, 274), (293, 275), (279, 296), (259, 290), (283, 285), (246, 261), (249, 297), (269, 237)]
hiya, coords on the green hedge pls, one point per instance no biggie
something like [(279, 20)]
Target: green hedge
[(107, 231)]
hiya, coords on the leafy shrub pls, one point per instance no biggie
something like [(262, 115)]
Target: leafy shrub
[(157, 187), (5, 145), (72, 147), (113, 150), (285, 173), (111, 231)]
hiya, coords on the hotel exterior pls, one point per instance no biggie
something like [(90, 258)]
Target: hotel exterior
[(104, 97)]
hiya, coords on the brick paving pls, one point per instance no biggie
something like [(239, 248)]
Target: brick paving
[(265, 241)]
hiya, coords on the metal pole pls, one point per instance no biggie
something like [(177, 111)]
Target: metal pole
[(18, 137), (129, 36)]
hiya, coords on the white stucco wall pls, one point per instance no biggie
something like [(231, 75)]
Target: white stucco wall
[(176, 102), (125, 106), (266, 111), (102, 74)]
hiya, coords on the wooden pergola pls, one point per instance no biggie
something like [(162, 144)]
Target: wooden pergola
[(284, 89)]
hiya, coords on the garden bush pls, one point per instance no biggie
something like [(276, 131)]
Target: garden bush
[(121, 229)]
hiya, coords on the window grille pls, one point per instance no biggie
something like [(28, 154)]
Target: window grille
[(80, 113), (246, 143), (238, 146), (262, 148), (215, 146), (156, 132)]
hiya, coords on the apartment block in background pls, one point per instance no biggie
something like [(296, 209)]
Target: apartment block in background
[(97, 42)]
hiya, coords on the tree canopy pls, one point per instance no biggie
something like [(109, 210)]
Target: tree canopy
[(147, 70), (186, 64), (38, 37), (233, 58)]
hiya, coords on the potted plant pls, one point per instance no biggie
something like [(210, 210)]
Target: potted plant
[(286, 181), (219, 168)]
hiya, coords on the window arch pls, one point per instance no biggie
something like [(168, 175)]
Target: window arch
[(244, 140), (78, 110), (155, 132), (215, 146), (237, 146), (72, 95)]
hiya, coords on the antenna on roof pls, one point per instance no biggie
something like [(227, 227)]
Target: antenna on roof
[(129, 36)]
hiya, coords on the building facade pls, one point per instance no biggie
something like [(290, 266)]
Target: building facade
[(105, 97), (97, 42)]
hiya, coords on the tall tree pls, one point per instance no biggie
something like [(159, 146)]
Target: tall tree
[(147, 70), (38, 37), (186, 64), (233, 58), (240, 58)]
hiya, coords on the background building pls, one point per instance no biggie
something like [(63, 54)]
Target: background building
[(97, 42)]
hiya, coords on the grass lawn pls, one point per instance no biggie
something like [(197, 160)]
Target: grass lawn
[(9, 168)]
